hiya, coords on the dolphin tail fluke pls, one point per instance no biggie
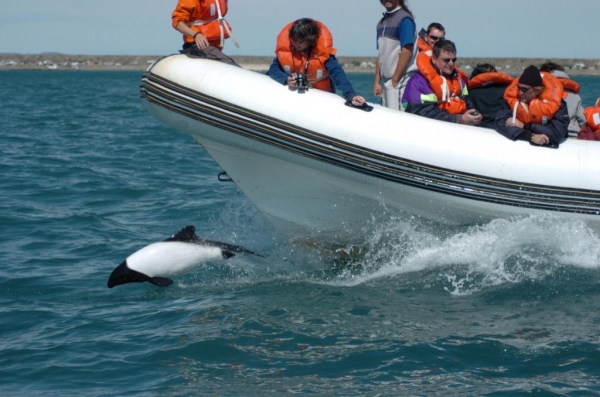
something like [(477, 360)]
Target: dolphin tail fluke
[(124, 275)]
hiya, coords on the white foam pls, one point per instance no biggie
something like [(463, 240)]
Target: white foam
[(502, 251)]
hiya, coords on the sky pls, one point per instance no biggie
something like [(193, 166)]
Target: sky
[(480, 28)]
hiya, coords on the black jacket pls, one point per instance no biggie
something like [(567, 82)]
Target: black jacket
[(488, 100), (557, 129)]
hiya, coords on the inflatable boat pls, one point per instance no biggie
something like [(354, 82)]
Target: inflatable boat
[(309, 162)]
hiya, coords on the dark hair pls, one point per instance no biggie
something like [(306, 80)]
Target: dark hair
[(305, 29), (550, 67), (435, 25), (402, 4), (483, 68), (443, 45), (486, 67)]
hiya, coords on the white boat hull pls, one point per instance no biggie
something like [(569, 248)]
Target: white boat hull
[(309, 162)]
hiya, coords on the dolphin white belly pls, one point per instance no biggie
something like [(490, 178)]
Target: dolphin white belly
[(165, 259), (180, 253)]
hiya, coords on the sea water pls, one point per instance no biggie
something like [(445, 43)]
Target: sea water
[(88, 177)]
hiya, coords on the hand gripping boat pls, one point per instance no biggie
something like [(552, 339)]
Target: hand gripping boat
[(308, 162)]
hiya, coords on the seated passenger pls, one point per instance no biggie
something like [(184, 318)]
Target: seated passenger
[(437, 91), (306, 47), (486, 92), (535, 110), (427, 38), (572, 88), (425, 42), (591, 128)]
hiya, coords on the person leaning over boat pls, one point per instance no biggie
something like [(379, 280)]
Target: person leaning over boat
[(396, 35), (535, 110), (438, 91), (305, 47), (203, 27), (591, 128), (572, 98), (486, 92)]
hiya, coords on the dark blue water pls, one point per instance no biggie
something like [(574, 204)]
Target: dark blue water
[(87, 177)]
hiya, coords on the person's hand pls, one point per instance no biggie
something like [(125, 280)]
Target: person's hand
[(514, 123), (201, 41), (470, 118), (395, 83), (377, 91), (540, 139), (291, 82), (358, 100)]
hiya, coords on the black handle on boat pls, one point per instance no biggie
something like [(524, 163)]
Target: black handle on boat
[(223, 177), (364, 106), (549, 146)]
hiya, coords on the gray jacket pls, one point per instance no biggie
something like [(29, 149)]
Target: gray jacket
[(573, 105)]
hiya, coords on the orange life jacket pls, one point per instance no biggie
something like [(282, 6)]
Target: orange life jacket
[(448, 91), (427, 53), (488, 78), (208, 20), (538, 108), (311, 63), (570, 85), (423, 45), (592, 117)]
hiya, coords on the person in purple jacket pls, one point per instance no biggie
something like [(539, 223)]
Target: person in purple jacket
[(438, 91)]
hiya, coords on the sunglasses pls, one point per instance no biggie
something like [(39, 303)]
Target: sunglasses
[(435, 38), (524, 90), (447, 60)]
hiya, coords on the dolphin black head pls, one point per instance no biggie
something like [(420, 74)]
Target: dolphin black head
[(124, 275)]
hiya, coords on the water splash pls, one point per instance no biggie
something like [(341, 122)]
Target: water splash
[(502, 251)]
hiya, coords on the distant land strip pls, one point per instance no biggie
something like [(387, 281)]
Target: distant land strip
[(356, 64)]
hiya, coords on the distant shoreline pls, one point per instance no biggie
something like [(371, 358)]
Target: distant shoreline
[(52, 61)]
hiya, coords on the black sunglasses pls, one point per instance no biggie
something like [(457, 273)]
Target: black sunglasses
[(524, 90), (434, 38), (446, 60)]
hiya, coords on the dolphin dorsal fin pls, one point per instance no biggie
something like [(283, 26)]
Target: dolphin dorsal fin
[(187, 234)]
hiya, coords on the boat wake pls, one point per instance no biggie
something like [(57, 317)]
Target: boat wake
[(467, 261), (402, 252)]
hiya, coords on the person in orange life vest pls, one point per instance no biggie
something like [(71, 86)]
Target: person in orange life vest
[(437, 91), (306, 47), (427, 38), (591, 128), (535, 110), (486, 92), (572, 97), (395, 44), (203, 27)]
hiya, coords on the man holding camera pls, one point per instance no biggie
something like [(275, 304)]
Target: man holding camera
[(305, 56)]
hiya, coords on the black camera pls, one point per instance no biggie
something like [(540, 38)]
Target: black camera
[(301, 83)]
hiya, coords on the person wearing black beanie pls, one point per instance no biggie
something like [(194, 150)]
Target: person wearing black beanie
[(531, 77), (535, 110)]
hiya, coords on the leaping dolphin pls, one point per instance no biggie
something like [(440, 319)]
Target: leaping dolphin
[(177, 254)]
